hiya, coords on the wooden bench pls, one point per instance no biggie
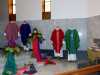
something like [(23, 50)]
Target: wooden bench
[(84, 71)]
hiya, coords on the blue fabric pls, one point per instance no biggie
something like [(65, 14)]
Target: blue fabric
[(25, 30)]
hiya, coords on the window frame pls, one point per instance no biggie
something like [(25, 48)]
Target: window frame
[(12, 15), (46, 15)]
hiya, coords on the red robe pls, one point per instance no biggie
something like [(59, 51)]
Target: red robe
[(57, 37), (35, 48)]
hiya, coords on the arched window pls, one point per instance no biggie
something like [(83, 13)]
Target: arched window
[(12, 9), (46, 9)]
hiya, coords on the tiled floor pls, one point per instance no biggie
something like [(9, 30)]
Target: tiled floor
[(61, 66)]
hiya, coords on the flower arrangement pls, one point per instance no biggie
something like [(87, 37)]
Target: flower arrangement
[(10, 67), (38, 33), (16, 50)]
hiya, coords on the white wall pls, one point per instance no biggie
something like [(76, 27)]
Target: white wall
[(69, 9), (60, 9), (93, 7), (28, 9), (75, 8), (3, 11)]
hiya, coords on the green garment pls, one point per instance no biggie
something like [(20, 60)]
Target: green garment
[(72, 41), (67, 38), (10, 66), (76, 39)]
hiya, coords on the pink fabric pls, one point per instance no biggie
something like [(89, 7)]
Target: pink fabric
[(22, 70), (11, 31), (35, 48)]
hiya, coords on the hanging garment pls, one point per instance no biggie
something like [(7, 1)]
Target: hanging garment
[(77, 39), (11, 31), (57, 37), (25, 30), (72, 41), (35, 47)]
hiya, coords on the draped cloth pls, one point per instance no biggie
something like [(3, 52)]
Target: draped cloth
[(35, 48), (57, 37)]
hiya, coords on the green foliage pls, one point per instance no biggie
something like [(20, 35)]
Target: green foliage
[(40, 37), (17, 50)]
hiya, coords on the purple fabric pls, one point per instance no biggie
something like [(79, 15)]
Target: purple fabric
[(11, 31), (12, 43)]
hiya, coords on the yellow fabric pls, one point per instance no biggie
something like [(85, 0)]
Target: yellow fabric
[(92, 54)]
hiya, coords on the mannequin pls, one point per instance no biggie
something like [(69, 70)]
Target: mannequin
[(35, 44), (25, 31), (57, 37), (11, 33)]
